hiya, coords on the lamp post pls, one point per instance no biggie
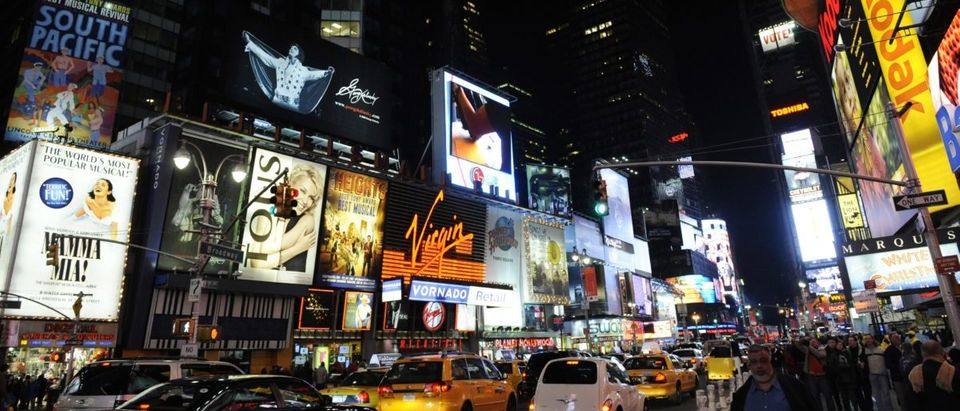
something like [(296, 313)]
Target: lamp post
[(582, 260), (803, 304), (696, 321), (208, 185)]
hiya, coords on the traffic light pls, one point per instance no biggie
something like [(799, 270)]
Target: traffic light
[(53, 255), (208, 333), (284, 200), (600, 206), (290, 202)]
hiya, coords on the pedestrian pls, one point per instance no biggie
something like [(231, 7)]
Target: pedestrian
[(41, 384), (814, 371), (320, 376), (834, 356), (954, 356), (892, 357), (768, 390), (877, 373), (935, 382), (861, 384)]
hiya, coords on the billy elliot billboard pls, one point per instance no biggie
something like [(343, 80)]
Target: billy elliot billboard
[(70, 73), (548, 189), (308, 82), (433, 234), (352, 230)]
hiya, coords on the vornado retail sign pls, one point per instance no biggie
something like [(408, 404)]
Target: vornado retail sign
[(461, 294)]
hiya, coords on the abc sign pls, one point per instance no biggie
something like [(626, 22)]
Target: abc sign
[(433, 316)]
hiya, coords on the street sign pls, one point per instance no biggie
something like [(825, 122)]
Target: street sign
[(870, 284), (221, 251), (72, 342), (948, 265), (866, 301), (12, 304), (195, 290), (911, 201), (190, 350)]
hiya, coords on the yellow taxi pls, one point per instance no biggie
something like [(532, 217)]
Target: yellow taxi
[(445, 382), (722, 363), (358, 388), (514, 370), (661, 376)]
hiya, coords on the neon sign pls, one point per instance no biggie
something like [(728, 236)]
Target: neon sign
[(439, 240), (791, 109), (676, 138)]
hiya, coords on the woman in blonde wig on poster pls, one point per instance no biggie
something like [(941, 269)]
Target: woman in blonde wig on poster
[(300, 232)]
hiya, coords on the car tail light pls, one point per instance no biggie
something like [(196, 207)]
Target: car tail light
[(533, 406), (143, 406), (523, 375), (363, 397), (385, 389), (660, 377), (436, 387), (607, 406)]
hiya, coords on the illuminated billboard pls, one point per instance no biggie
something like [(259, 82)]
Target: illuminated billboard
[(775, 37), (695, 288), (942, 75), (352, 247), (812, 223), (283, 250), (14, 169), (798, 151), (318, 310), (73, 191), (70, 73), (472, 144), (900, 263), (548, 189), (545, 272), (619, 222), (824, 281)]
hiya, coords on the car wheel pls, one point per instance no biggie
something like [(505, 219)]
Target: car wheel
[(466, 407), (677, 397), (512, 404)]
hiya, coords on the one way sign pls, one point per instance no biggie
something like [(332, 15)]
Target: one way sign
[(911, 201)]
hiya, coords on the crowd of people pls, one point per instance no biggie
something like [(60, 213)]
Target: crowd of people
[(852, 372), (26, 392)]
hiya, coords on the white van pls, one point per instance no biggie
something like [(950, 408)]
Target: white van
[(102, 385), (581, 384)]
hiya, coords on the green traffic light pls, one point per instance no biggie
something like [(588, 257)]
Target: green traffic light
[(601, 208)]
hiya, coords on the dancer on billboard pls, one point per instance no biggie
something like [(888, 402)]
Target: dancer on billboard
[(62, 65), (63, 107), (99, 84), (291, 85), (98, 207)]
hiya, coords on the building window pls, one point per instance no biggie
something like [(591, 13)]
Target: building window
[(332, 28)]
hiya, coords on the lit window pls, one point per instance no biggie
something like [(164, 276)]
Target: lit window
[(330, 28)]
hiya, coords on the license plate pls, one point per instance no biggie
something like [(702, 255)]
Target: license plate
[(409, 397), (339, 398)]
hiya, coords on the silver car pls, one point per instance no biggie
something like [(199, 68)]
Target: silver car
[(103, 385)]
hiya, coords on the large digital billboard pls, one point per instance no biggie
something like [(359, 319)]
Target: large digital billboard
[(798, 151), (283, 250), (71, 72), (695, 288), (619, 222), (74, 192), (942, 75), (548, 189), (472, 143), (904, 66), (318, 310), (14, 171), (545, 272), (824, 281), (900, 263), (352, 248), (812, 223), (846, 95), (777, 36)]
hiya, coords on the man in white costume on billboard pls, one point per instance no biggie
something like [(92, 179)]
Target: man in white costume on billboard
[(64, 104), (364, 311), (292, 85)]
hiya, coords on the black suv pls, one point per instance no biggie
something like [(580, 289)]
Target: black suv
[(528, 387), (239, 392)]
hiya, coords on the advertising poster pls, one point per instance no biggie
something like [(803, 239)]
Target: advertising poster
[(283, 250), (357, 311), (545, 277), (898, 263), (798, 151), (352, 246), (846, 95), (74, 191), (395, 315), (642, 294), (943, 79), (549, 189), (619, 223), (14, 171), (877, 153), (904, 66), (180, 236), (477, 147), (695, 288), (503, 258), (824, 281), (318, 310), (314, 84), (811, 222), (70, 73), (850, 211)]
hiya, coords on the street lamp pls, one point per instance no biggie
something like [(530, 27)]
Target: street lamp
[(696, 321), (182, 159), (582, 260)]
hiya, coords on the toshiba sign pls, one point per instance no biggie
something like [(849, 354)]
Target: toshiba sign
[(780, 35)]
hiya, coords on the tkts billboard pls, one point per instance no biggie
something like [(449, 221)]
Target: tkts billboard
[(472, 144), (308, 82), (70, 72), (278, 249), (352, 230), (70, 192), (433, 234)]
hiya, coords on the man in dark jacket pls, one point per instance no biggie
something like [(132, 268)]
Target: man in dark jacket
[(935, 384), (892, 357), (768, 390)]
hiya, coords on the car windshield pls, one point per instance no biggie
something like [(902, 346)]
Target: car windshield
[(720, 352), (112, 378), (685, 353), (537, 361), (171, 396), (646, 363), (571, 372), (363, 379), (415, 372), (505, 367)]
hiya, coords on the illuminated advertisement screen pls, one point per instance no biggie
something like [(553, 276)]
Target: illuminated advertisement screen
[(475, 141), (545, 276), (824, 281), (352, 245), (619, 222), (70, 73), (357, 311), (695, 288), (549, 189), (780, 35), (74, 191), (14, 169), (318, 310), (811, 221), (942, 75), (900, 263), (798, 151), (283, 250), (846, 95)]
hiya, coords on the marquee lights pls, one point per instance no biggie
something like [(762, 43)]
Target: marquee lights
[(791, 109)]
